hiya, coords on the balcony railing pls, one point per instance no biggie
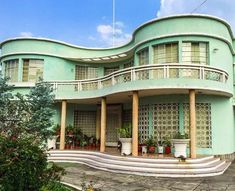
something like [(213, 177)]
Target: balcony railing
[(146, 72)]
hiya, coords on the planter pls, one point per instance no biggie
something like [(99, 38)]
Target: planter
[(160, 149), (51, 143), (167, 150), (144, 149), (126, 146), (180, 147), (151, 149)]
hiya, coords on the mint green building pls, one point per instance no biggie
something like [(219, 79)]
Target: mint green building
[(151, 82)]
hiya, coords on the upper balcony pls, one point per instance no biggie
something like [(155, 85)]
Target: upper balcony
[(163, 78)]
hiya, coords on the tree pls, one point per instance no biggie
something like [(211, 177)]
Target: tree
[(25, 122)]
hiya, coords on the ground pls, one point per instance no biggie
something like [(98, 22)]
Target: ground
[(106, 181)]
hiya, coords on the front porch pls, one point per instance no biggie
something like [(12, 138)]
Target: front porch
[(102, 124)]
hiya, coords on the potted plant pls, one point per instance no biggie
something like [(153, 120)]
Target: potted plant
[(167, 144), (160, 147), (125, 137), (55, 133), (180, 142), (151, 144)]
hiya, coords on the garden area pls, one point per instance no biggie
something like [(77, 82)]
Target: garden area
[(25, 125)]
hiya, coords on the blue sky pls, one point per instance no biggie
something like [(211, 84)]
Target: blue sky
[(89, 22)]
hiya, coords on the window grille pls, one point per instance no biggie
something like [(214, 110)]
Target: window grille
[(86, 120), (195, 52), (85, 72), (143, 123), (203, 124), (143, 57), (32, 70), (165, 120), (165, 53), (11, 70)]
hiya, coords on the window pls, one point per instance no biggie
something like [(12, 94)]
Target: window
[(110, 70), (165, 53), (11, 70), (143, 57), (32, 70), (85, 72), (128, 64), (195, 52)]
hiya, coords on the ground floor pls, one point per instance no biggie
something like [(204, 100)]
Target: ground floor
[(208, 119), (78, 174)]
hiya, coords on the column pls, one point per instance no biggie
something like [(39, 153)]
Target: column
[(135, 107), (103, 125), (192, 119), (63, 124)]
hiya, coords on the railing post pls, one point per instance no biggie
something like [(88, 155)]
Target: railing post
[(200, 73), (223, 78), (166, 71), (99, 84), (113, 80), (133, 76), (203, 73)]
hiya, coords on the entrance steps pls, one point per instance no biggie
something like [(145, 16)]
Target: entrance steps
[(160, 167)]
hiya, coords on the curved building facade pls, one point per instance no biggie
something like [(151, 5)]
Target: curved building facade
[(174, 70)]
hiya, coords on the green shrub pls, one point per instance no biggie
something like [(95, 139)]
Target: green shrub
[(54, 186)]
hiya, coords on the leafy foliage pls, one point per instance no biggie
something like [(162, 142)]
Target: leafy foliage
[(25, 122), (125, 131)]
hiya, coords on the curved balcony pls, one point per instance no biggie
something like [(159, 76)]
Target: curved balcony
[(148, 75)]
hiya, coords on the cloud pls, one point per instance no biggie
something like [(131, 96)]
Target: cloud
[(26, 34), (105, 32), (220, 8)]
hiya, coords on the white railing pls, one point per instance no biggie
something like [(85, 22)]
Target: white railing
[(146, 72)]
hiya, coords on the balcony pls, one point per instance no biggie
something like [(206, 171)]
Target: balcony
[(148, 73)]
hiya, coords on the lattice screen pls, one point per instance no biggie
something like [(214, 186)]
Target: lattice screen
[(143, 122), (203, 123), (86, 120), (165, 120)]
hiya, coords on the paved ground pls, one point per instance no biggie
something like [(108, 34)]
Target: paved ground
[(106, 181)]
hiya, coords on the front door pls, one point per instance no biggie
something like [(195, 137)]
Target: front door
[(114, 121)]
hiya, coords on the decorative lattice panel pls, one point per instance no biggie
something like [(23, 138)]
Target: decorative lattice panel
[(86, 120), (142, 75), (203, 123), (126, 77), (165, 120), (143, 123), (190, 73), (158, 73)]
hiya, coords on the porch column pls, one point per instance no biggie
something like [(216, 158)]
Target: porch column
[(63, 124), (192, 119), (135, 107), (103, 125)]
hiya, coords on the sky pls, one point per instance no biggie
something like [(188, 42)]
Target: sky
[(89, 22)]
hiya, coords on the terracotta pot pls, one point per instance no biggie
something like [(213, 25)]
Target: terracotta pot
[(167, 150), (151, 149)]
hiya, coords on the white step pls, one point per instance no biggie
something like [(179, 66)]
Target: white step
[(170, 167)]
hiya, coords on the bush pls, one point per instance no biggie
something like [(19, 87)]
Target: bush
[(54, 186), (23, 165)]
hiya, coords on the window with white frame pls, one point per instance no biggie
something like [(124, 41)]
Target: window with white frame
[(195, 53), (165, 53), (32, 70), (11, 69), (85, 72), (143, 57)]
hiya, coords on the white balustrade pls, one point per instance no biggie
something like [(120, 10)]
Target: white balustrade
[(145, 72)]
